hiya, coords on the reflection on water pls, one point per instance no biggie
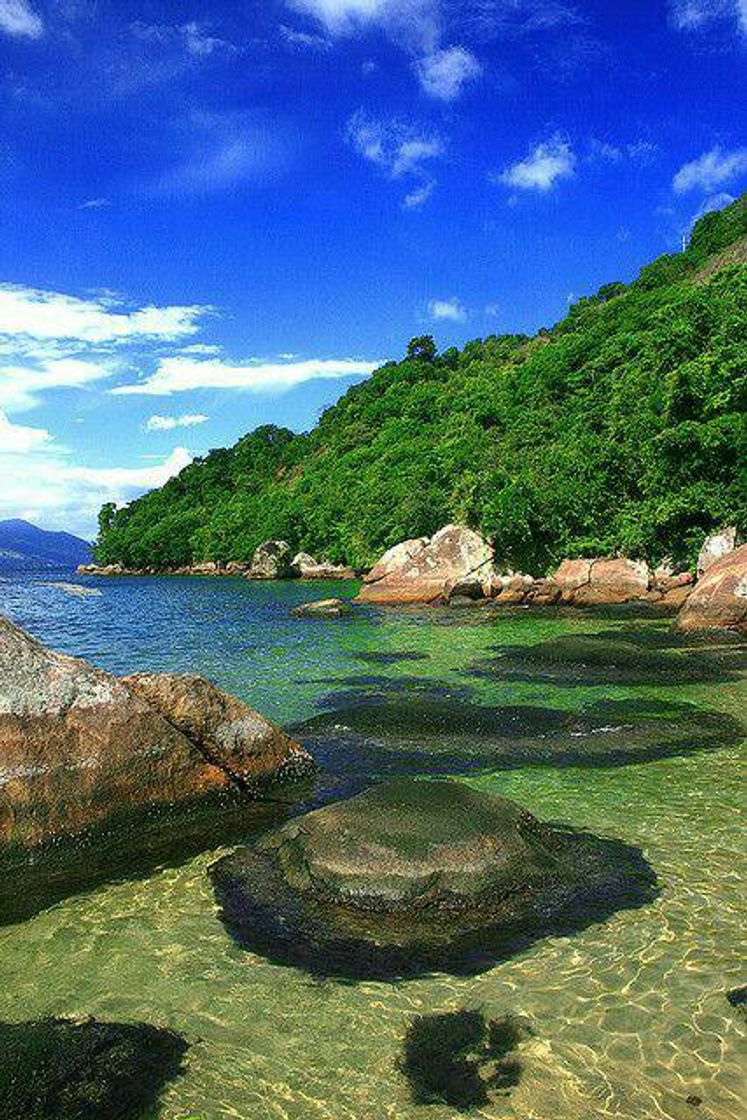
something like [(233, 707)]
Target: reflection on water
[(629, 1017)]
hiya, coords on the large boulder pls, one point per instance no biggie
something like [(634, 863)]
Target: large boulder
[(80, 748), (306, 567), (455, 556), (719, 599), (272, 560), (599, 581), (715, 546), (414, 875), (395, 558)]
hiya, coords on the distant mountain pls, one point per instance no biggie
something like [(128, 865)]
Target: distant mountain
[(23, 545)]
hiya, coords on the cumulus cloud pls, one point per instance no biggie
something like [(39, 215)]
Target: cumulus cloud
[(695, 15), (444, 73), (418, 197), (711, 170), (452, 310), (168, 423), (22, 385), (396, 147), (418, 26), (18, 18), (545, 165), (15, 439), (182, 374), (43, 486), (38, 314)]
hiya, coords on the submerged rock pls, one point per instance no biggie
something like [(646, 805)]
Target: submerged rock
[(719, 599), (57, 1069), (459, 1058), (410, 876), (80, 748), (455, 556), (323, 608)]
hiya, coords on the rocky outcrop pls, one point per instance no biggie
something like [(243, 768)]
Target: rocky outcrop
[(305, 566), (80, 748), (414, 875), (719, 599), (454, 557), (59, 1069), (323, 608), (272, 560), (230, 734)]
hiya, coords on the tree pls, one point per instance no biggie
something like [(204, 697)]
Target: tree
[(422, 349), (106, 516)]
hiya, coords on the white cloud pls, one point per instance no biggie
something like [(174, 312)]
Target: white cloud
[(410, 22), (168, 423), (544, 166), (194, 37), (45, 488), (443, 73), (304, 40), (17, 17), (694, 15), (418, 197), (18, 440), (51, 315), (711, 170), (180, 375), (21, 385), (452, 310), (95, 204), (397, 148)]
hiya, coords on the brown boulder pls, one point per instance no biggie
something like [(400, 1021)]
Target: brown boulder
[(590, 582), (719, 599), (272, 560), (307, 567), (78, 747), (395, 558), (455, 555)]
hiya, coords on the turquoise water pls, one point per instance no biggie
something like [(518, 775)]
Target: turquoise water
[(629, 1016)]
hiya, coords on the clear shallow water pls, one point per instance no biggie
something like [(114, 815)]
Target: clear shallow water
[(629, 1016)]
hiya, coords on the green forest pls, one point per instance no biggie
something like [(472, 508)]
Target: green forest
[(621, 429)]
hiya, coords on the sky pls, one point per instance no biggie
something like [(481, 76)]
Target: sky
[(219, 215)]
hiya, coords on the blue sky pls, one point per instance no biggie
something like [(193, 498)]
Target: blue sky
[(217, 215)]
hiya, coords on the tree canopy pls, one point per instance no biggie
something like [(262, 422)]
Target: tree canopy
[(620, 429)]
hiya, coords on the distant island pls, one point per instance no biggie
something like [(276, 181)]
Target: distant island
[(25, 546), (620, 430)]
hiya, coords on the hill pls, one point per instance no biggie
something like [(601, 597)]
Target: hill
[(23, 545), (621, 428)]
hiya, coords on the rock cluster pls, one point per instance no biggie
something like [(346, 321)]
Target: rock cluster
[(271, 560), (80, 748), (414, 875)]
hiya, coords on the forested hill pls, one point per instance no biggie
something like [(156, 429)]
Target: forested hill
[(622, 428)]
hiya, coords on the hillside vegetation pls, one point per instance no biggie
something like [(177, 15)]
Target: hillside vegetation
[(621, 429)]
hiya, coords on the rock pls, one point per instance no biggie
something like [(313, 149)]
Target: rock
[(599, 581), (272, 560), (394, 558), (715, 546), (323, 608), (79, 748), (455, 555), (411, 876), (515, 588), (205, 568), (245, 745), (58, 1069), (307, 567), (237, 568), (737, 997), (719, 599), (546, 593)]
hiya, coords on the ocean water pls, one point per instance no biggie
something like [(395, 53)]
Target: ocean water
[(645, 735)]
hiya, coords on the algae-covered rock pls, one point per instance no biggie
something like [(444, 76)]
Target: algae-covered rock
[(413, 875), (57, 1069)]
